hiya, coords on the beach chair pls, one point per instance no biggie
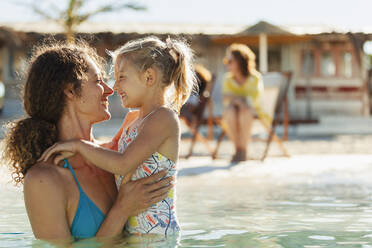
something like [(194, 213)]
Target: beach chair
[(273, 104), (195, 117)]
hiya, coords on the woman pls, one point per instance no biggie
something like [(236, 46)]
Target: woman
[(242, 87), (64, 96)]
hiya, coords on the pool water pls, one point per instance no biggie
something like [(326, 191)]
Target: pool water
[(305, 201)]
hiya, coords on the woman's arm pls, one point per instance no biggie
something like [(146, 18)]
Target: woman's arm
[(153, 132), (134, 197), (46, 204)]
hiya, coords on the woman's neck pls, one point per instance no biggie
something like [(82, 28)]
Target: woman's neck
[(240, 78), (72, 127)]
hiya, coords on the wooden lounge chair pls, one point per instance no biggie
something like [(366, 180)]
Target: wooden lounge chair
[(194, 116)]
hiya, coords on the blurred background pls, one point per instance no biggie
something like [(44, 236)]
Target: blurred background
[(325, 44), (317, 195)]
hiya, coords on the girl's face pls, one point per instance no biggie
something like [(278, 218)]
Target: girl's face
[(129, 84), (93, 100), (232, 64)]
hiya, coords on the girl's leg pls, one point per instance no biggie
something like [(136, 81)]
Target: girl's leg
[(230, 119)]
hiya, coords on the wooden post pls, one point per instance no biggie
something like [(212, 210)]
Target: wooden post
[(210, 120), (286, 119), (263, 53)]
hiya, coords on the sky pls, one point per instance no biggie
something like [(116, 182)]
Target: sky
[(350, 14)]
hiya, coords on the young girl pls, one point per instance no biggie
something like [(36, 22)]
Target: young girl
[(157, 78)]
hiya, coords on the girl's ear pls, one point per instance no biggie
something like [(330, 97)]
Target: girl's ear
[(69, 91), (150, 76)]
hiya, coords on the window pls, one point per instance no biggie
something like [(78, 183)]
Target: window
[(346, 65), (328, 67), (308, 63)]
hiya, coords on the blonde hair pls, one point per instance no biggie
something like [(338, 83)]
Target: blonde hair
[(173, 58)]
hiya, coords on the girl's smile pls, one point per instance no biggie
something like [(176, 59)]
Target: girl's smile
[(128, 84)]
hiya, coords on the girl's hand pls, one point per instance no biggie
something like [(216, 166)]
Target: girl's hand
[(61, 150), (137, 196)]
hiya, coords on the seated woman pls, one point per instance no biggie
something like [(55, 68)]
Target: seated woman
[(64, 96), (241, 90)]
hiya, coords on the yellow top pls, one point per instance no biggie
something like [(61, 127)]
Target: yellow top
[(251, 89)]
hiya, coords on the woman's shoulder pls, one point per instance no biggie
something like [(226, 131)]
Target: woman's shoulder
[(44, 175), (256, 75)]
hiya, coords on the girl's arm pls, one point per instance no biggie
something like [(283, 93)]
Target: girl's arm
[(153, 132)]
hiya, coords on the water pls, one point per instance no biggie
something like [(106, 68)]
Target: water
[(305, 201)]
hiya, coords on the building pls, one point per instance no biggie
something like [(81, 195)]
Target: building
[(330, 69)]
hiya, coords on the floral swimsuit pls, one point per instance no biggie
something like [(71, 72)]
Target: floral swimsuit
[(160, 218)]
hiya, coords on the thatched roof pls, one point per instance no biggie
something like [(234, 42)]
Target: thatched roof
[(250, 36), (265, 28)]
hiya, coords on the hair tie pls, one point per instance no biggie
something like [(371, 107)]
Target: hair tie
[(169, 43), (172, 50)]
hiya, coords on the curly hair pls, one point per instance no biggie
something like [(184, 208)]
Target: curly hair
[(52, 67), (245, 58)]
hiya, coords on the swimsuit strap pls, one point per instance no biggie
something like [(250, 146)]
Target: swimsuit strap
[(67, 165), (140, 121), (153, 111)]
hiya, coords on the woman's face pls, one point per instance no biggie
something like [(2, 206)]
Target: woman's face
[(93, 100), (129, 84), (232, 64)]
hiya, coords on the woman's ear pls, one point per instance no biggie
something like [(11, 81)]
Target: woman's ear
[(69, 91), (150, 76)]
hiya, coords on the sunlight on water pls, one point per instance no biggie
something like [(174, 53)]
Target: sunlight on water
[(305, 201)]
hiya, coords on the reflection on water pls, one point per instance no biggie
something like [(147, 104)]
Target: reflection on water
[(323, 201)]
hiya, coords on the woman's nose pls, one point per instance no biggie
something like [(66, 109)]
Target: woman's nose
[(107, 90)]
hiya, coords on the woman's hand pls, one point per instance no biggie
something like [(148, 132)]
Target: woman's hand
[(62, 150), (137, 196)]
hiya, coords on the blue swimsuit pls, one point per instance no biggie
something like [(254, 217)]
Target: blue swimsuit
[(88, 217)]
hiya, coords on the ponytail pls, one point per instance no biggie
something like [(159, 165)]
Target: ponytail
[(183, 76), (26, 139)]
